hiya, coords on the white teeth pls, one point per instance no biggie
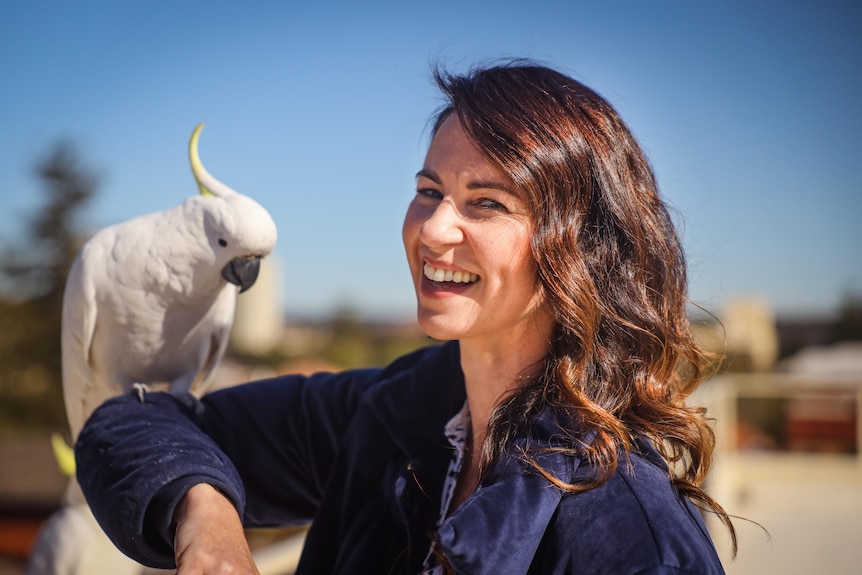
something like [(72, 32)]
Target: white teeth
[(440, 275)]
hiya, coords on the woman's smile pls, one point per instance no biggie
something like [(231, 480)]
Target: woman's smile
[(441, 275)]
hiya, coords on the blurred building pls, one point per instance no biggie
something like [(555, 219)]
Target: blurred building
[(788, 447), (752, 337), (258, 326)]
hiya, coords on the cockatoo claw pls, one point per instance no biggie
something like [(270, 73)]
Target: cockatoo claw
[(141, 389)]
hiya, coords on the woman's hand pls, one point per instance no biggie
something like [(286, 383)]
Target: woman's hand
[(209, 538)]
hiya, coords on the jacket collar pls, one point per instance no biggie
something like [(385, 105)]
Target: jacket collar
[(499, 528)]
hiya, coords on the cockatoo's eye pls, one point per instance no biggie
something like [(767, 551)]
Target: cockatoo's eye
[(222, 242)]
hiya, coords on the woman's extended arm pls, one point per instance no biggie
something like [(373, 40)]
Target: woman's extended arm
[(267, 446)]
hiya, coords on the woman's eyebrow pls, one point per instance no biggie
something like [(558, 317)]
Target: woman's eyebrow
[(475, 185), (492, 185), (426, 173)]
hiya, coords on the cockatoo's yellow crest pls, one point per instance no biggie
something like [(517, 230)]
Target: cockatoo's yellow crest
[(195, 159)]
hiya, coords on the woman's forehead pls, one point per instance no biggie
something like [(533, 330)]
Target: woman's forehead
[(453, 151)]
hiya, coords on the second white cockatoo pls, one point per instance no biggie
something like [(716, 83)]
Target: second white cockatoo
[(151, 300)]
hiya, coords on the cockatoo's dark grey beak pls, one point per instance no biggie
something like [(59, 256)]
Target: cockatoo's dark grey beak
[(242, 272)]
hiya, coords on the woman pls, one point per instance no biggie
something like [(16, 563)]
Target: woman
[(548, 435)]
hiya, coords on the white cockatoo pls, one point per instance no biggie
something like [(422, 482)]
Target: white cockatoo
[(151, 300), (148, 301)]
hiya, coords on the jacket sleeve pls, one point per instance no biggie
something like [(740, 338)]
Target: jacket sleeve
[(268, 446)]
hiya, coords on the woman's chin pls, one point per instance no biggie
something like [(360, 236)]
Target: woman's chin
[(438, 326)]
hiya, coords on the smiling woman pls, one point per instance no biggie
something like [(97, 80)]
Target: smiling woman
[(548, 435)]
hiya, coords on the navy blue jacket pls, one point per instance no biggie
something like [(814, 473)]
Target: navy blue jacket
[(362, 454)]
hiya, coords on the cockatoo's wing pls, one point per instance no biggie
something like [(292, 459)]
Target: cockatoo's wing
[(78, 327), (213, 333), (222, 320)]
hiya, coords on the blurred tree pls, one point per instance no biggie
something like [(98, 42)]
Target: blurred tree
[(33, 270), (354, 342), (849, 323), (350, 345)]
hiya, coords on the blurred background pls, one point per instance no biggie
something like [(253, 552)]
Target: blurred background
[(749, 112)]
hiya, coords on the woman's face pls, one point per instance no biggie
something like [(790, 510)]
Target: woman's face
[(467, 236)]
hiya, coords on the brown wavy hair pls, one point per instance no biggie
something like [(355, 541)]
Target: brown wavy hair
[(610, 263)]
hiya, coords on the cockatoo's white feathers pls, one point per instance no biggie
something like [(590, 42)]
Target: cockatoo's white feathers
[(151, 300)]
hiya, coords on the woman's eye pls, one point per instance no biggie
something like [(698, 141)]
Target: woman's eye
[(429, 193), (489, 204)]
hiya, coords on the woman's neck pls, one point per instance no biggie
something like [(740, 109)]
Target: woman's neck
[(490, 373), (493, 372)]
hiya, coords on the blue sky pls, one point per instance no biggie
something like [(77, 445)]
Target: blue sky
[(751, 113)]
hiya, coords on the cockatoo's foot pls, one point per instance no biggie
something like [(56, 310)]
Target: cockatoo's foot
[(141, 389)]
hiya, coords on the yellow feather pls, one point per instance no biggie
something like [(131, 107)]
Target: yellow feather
[(195, 159), (64, 454)]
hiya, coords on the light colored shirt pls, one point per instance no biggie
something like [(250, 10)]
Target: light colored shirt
[(456, 432)]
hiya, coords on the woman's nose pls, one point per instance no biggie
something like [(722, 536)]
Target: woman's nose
[(443, 226)]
